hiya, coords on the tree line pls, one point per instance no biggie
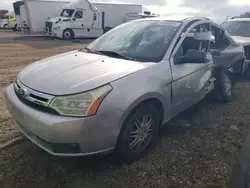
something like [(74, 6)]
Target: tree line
[(245, 15)]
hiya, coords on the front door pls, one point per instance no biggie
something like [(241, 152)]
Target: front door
[(78, 23), (189, 79)]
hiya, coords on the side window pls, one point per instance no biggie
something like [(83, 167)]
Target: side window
[(190, 43), (220, 40), (79, 14)]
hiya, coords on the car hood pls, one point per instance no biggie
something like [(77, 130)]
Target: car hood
[(242, 40), (75, 72), (59, 18)]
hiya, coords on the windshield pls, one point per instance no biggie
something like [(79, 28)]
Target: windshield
[(144, 40), (67, 13), (237, 28)]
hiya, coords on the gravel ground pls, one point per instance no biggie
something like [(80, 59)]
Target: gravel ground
[(16, 52), (195, 150)]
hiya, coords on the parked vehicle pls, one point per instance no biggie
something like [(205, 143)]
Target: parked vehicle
[(239, 29), (240, 175), (82, 18), (32, 13), (135, 15), (16, 6), (115, 94), (12, 24), (4, 22)]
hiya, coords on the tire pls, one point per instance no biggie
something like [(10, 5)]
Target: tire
[(5, 26), (238, 73), (68, 34), (223, 85), (126, 147)]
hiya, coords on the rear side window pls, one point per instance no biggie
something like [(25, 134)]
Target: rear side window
[(221, 40)]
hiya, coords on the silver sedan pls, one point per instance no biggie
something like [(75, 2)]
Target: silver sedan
[(115, 94)]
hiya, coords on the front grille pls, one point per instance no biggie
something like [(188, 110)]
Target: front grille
[(48, 25), (247, 52), (34, 101), (35, 96), (37, 106)]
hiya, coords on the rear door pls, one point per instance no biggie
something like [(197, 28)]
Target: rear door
[(224, 50)]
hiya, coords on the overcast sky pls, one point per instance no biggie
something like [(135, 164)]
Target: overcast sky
[(217, 10)]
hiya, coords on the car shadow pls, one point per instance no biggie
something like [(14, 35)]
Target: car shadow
[(39, 169)]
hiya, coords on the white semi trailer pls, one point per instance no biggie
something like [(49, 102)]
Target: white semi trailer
[(83, 19), (32, 14)]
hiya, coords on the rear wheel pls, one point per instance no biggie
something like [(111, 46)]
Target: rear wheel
[(68, 34), (138, 133), (14, 28), (223, 85)]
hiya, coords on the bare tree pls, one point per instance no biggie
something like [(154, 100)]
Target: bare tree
[(245, 15), (2, 13)]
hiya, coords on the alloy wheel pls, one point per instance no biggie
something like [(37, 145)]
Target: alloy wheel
[(141, 133)]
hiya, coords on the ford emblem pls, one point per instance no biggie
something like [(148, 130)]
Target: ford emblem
[(22, 92)]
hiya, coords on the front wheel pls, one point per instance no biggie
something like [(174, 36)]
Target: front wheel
[(5, 26), (223, 86), (68, 34), (138, 133)]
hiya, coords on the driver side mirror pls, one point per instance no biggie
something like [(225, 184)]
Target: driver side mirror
[(192, 56)]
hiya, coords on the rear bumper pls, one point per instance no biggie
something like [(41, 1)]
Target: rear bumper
[(246, 65)]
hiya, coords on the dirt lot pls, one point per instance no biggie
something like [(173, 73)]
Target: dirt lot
[(196, 154)]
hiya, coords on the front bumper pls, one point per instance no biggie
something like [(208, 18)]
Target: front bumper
[(52, 33), (65, 136)]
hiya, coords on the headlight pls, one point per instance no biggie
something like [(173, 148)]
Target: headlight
[(84, 104), (56, 28)]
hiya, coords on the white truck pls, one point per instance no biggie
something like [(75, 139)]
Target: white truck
[(135, 16), (83, 19), (4, 22), (32, 14)]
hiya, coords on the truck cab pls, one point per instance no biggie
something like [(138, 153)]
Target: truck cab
[(12, 24), (74, 23), (82, 19), (5, 20), (77, 19)]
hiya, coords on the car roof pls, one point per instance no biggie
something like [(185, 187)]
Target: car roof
[(176, 18), (239, 19)]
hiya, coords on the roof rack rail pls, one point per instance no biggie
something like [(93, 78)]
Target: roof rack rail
[(196, 17), (235, 17)]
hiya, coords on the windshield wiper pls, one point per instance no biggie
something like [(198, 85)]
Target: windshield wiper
[(115, 54), (107, 53), (91, 51)]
